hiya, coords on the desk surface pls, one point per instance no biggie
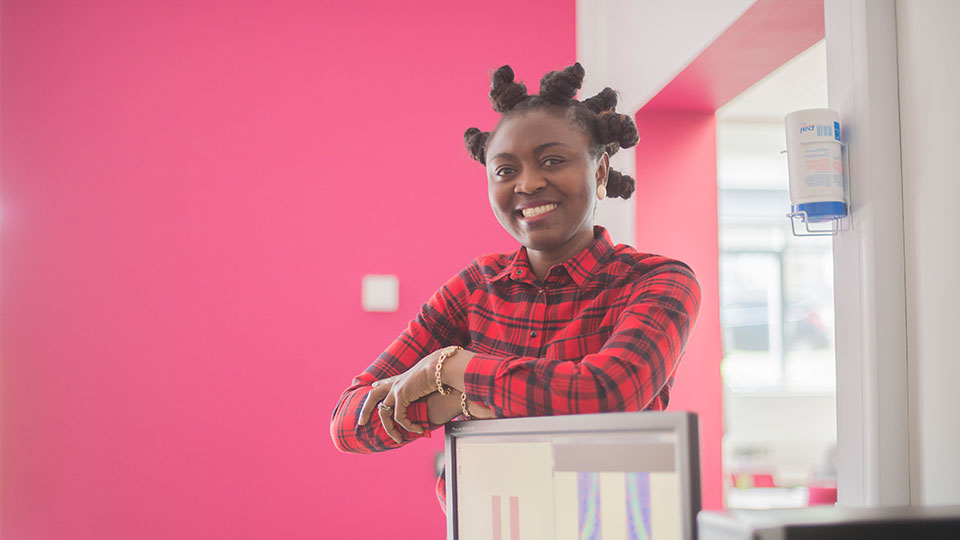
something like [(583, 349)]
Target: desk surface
[(828, 522)]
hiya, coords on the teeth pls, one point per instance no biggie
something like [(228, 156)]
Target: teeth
[(537, 210)]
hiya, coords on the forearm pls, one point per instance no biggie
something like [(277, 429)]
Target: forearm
[(540, 398), (625, 370), (516, 386), (627, 373), (349, 436), (453, 375)]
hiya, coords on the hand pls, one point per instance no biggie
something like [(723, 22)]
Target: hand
[(417, 382), (379, 390), (443, 408)]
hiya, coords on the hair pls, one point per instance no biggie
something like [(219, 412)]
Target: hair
[(607, 130)]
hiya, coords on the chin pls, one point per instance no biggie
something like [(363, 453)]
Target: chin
[(544, 240)]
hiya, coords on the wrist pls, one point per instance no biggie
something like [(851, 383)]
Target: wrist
[(465, 406), (442, 408), (454, 369), (442, 356)]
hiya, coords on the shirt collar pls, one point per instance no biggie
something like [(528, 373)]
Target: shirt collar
[(518, 268), (583, 267), (580, 268)]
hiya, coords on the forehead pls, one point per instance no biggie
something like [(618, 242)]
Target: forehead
[(522, 132)]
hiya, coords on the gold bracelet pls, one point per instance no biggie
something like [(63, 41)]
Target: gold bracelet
[(444, 354), (463, 405)]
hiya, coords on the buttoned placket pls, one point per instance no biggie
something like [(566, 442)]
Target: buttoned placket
[(538, 318)]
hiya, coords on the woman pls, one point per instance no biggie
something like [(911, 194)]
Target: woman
[(566, 324)]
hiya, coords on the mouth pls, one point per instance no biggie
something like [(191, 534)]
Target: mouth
[(537, 211)]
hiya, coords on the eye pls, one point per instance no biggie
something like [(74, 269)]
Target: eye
[(503, 171), (552, 161)]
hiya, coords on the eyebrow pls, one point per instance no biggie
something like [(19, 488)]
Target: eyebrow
[(536, 150)]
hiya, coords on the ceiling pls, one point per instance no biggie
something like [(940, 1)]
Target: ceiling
[(799, 84)]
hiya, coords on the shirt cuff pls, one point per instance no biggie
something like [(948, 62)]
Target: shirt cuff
[(479, 376)]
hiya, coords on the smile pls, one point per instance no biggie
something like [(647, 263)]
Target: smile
[(538, 210)]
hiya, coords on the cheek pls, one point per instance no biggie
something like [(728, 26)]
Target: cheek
[(581, 189), (499, 199), (586, 196)]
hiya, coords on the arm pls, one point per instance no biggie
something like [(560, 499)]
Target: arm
[(441, 322), (626, 374), (350, 436), (442, 409)]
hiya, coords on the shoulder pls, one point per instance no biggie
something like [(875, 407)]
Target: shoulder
[(479, 273), (648, 277), (631, 265), (491, 266)]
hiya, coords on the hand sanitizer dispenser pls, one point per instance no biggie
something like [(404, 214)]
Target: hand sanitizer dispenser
[(815, 161)]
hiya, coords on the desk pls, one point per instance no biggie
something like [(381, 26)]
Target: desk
[(832, 523)]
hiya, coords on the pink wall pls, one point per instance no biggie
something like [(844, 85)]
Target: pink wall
[(677, 217), (190, 194)]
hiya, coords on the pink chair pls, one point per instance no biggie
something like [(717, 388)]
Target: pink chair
[(822, 494)]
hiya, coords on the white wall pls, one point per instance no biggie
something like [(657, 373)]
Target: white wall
[(929, 78), (636, 47)]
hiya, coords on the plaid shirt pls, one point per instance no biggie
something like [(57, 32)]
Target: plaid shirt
[(603, 332)]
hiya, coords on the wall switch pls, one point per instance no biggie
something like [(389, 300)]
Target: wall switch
[(380, 292)]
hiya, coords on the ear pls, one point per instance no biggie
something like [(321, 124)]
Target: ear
[(603, 168)]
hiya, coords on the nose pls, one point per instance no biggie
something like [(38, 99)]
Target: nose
[(530, 181)]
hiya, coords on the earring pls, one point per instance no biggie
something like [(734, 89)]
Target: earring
[(601, 191)]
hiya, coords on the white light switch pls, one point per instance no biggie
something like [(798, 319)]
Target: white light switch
[(380, 292)]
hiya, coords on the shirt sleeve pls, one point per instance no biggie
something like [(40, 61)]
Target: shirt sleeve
[(626, 374), (441, 322)]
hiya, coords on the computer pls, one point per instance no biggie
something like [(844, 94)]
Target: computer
[(594, 476)]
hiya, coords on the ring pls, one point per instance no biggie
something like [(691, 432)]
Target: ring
[(384, 407)]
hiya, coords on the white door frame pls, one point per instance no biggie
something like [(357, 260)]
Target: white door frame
[(869, 285)]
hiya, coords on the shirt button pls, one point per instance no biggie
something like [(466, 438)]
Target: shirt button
[(540, 291), (533, 333), (519, 272)]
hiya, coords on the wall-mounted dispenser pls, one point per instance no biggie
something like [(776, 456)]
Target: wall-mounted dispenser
[(815, 159)]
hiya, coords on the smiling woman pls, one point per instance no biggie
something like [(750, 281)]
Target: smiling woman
[(566, 324)]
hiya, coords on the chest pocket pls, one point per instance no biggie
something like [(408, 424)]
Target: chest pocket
[(576, 347)]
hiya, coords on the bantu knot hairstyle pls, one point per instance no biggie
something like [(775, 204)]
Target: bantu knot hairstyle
[(560, 86), (606, 100), (608, 130), (504, 92), (620, 185), (476, 142)]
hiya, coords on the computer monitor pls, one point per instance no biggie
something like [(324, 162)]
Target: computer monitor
[(598, 476)]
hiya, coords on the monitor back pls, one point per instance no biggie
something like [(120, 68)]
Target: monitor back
[(598, 476)]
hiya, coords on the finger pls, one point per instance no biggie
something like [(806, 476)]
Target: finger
[(373, 397), (387, 420), (400, 414)]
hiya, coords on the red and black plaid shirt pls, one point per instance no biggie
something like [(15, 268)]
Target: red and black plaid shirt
[(603, 332)]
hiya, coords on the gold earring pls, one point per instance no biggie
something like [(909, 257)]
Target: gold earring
[(601, 191)]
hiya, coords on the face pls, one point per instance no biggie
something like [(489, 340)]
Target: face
[(543, 182)]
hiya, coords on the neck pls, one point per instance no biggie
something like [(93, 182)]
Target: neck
[(542, 260)]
